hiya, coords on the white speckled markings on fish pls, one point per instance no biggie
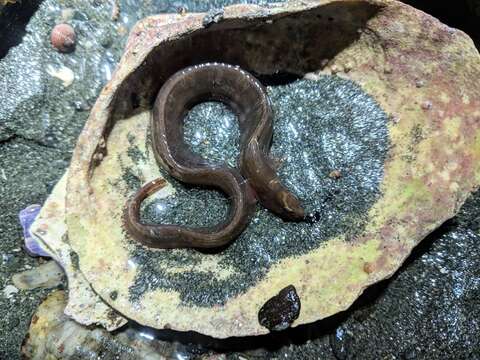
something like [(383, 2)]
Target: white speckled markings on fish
[(320, 126)]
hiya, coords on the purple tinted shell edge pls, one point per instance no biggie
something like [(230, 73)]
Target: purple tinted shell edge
[(27, 216)]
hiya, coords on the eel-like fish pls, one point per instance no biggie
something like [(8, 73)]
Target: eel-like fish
[(255, 177)]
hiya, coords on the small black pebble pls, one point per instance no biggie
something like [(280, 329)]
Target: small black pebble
[(280, 311), (75, 260), (113, 295)]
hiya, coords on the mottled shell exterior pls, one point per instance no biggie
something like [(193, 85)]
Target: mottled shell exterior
[(422, 73)]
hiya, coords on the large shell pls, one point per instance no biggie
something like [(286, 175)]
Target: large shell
[(422, 73)]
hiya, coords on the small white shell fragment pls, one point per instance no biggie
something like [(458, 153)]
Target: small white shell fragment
[(63, 73), (9, 290), (45, 276), (311, 76)]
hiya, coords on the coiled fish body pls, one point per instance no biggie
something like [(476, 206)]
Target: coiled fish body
[(255, 177)]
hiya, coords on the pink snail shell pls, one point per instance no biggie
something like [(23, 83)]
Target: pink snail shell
[(63, 38)]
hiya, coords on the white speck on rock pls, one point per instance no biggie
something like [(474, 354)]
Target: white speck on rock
[(9, 290), (63, 73)]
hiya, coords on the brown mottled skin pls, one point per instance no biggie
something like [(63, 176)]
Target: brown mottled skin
[(255, 178)]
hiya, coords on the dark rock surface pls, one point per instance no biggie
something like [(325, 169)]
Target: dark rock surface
[(429, 310), (279, 312), (461, 14)]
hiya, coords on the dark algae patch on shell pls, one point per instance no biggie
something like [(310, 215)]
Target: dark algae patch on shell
[(280, 311), (319, 126)]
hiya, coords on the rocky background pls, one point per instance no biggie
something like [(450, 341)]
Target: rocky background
[(429, 310)]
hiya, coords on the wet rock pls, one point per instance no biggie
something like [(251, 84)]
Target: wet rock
[(24, 96), (36, 105), (426, 311), (280, 311)]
